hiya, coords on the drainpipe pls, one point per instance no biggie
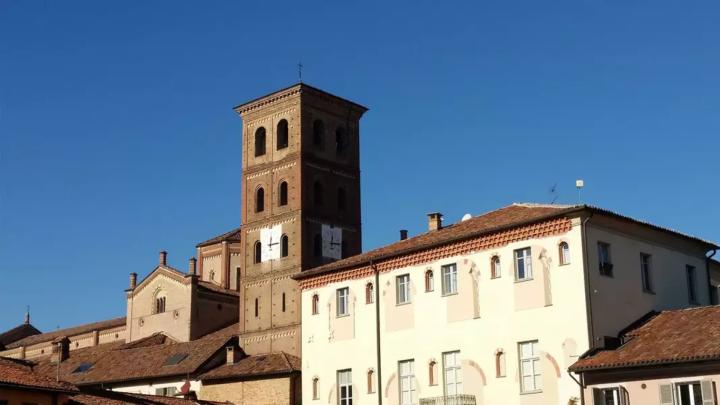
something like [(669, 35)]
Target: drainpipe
[(581, 384), (377, 331), (707, 272), (586, 270)]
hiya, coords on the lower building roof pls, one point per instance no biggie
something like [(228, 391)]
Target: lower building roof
[(20, 374), (254, 366)]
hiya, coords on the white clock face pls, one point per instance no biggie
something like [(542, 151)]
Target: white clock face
[(331, 241), (270, 243)]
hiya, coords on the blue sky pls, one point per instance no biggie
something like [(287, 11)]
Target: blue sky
[(118, 139)]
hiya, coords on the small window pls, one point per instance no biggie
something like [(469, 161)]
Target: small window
[(343, 301), (646, 271), (402, 289), (282, 134), (315, 304), (607, 396), (371, 381), (369, 293), (500, 364), (341, 141), (345, 396), (432, 365), (692, 292), (283, 194), (319, 134), (606, 267), (523, 264), (688, 393), (175, 359), (318, 192), (260, 200), (82, 368), (257, 307), (531, 378), (283, 302), (260, 142), (315, 388), (429, 281), (284, 246), (495, 269), (341, 199), (564, 252), (449, 279), (258, 251), (317, 245), (159, 305)]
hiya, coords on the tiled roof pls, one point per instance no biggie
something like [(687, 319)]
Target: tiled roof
[(75, 330), (19, 332), (106, 397), (232, 236), (512, 216), (256, 365), (20, 373), (116, 362), (216, 288), (677, 336)]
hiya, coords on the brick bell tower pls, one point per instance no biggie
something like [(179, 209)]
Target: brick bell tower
[(301, 205)]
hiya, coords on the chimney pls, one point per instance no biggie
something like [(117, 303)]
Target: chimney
[(234, 354), (403, 234), (192, 265), (133, 280), (434, 221), (95, 337), (60, 349), (163, 258)]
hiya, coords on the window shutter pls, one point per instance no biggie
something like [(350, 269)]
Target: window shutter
[(708, 392), (597, 397), (666, 394)]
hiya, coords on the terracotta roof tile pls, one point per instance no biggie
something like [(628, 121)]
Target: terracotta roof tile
[(677, 336), (97, 397), (216, 288), (256, 365), (232, 236), (20, 373), (75, 330)]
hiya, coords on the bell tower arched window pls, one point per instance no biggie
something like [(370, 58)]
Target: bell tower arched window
[(283, 193), (341, 141), (319, 134), (257, 252), (260, 200), (282, 135), (284, 246), (260, 141)]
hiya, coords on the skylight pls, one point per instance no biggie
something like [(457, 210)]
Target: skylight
[(82, 368), (175, 359)]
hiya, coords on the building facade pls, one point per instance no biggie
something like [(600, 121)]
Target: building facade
[(489, 310)]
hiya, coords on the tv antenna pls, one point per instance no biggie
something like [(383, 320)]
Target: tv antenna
[(579, 184), (553, 193)]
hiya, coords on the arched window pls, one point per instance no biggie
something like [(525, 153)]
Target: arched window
[(431, 372), (371, 381), (159, 304), (257, 307), (318, 193), (500, 363), (564, 249), (260, 200), (284, 246), (315, 388), (340, 140), (212, 275), (258, 251), (283, 302), (317, 245), (319, 134), (282, 134), (369, 293), (260, 141), (283, 193), (341, 199), (315, 304), (429, 281), (495, 267)]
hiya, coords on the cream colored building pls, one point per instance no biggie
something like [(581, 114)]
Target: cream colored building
[(490, 310)]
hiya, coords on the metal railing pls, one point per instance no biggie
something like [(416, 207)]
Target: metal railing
[(462, 399)]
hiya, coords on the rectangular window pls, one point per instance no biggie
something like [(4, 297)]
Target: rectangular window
[(452, 373), (690, 275), (402, 288), (343, 295), (531, 380), (695, 393), (606, 267), (344, 387), (408, 395), (606, 396), (646, 271), (449, 279), (523, 264)]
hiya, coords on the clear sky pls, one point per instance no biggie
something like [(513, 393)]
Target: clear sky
[(118, 139)]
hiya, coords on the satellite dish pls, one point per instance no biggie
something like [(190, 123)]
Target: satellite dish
[(465, 217)]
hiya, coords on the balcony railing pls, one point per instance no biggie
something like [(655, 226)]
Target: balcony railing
[(449, 400)]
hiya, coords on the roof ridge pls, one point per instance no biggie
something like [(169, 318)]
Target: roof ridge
[(543, 205)]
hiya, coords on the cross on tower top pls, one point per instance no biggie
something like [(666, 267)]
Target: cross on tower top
[(300, 66)]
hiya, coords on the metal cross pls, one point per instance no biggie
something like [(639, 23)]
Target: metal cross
[(300, 66)]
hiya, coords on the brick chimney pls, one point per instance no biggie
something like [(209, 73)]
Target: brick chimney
[(234, 354), (192, 266), (60, 349), (434, 221), (403, 234), (133, 280), (163, 258)]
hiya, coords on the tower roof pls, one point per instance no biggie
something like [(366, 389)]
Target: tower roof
[(289, 91)]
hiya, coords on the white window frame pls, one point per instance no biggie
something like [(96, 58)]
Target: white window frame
[(406, 383), (523, 256), (402, 285), (452, 367), (529, 363), (602, 392), (344, 383), (342, 301), (449, 275)]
